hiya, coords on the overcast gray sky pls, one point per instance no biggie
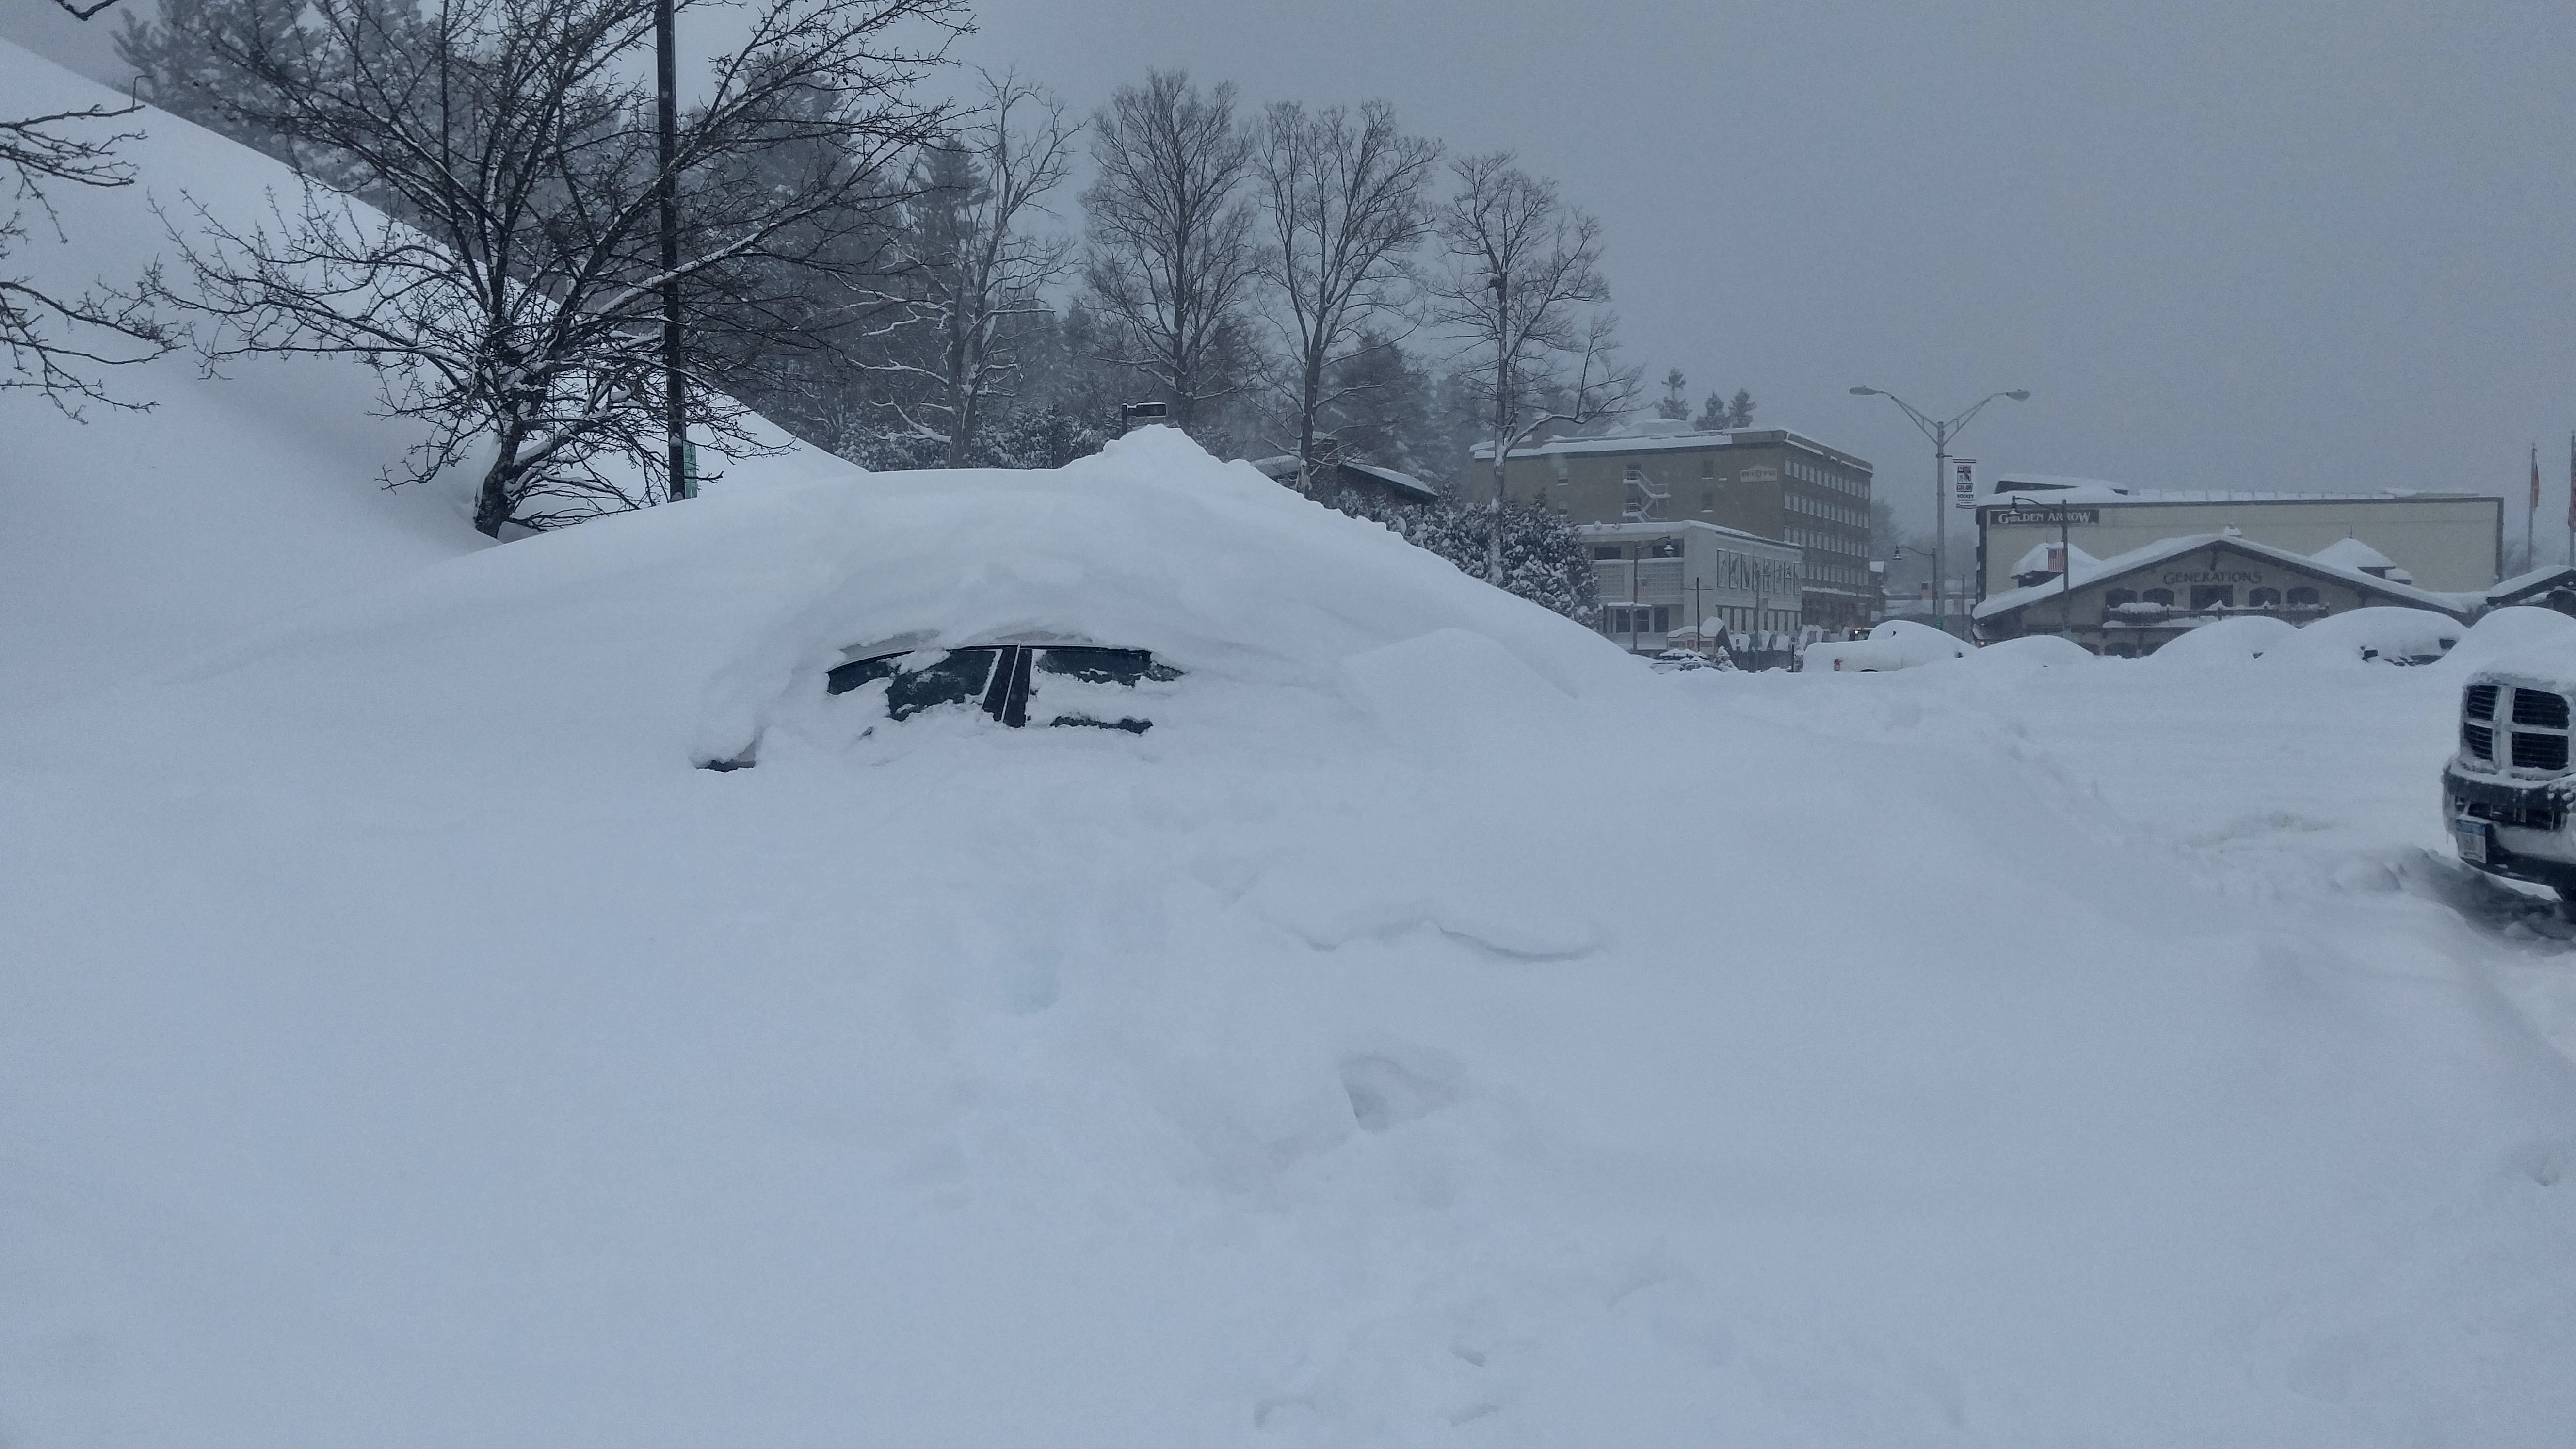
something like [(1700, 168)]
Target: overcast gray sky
[(2317, 244)]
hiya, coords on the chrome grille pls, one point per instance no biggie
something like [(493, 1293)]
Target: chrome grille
[(2481, 702), (2538, 707), (2539, 752), (2480, 741)]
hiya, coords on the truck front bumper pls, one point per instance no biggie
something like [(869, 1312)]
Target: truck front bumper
[(2512, 828)]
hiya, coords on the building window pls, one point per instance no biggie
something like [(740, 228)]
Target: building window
[(1708, 498), (2157, 596), (2263, 599), (1708, 467), (2213, 596), (2116, 597), (1606, 550), (2303, 598), (1665, 548)]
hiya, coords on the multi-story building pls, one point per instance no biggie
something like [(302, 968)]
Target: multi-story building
[(1766, 482), (1680, 583)]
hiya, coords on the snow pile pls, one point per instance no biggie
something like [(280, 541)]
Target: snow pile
[(1437, 1029)]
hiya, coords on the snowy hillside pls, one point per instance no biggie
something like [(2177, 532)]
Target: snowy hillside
[(1435, 1029), (141, 536)]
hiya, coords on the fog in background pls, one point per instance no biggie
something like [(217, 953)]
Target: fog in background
[(2298, 246)]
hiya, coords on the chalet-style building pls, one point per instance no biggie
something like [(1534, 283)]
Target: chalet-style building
[(2131, 603)]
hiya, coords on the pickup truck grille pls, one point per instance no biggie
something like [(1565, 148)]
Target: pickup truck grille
[(2521, 729), (2539, 752), (2540, 707)]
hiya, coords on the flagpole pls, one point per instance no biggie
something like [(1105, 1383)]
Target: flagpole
[(2571, 500)]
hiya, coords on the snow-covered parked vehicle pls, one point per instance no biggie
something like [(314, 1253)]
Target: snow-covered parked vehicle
[(2508, 785), (1896, 644)]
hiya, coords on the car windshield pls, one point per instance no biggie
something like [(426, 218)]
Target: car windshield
[(1056, 684)]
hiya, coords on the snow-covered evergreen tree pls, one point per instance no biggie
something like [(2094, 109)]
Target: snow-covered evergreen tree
[(1543, 558)]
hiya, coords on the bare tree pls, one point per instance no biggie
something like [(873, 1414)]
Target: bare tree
[(53, 341), (1522, 285), (1346, 209), (1172, 256), (972, 264), (510, 291)]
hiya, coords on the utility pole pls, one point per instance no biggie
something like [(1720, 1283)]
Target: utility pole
[(1503, 348), (2066, 574), (1941, 433), (675, 414)]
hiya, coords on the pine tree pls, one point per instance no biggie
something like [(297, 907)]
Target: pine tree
[(1671, 405), (1719, 413)]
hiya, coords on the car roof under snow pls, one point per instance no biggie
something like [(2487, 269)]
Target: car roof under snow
[(1151, 544)]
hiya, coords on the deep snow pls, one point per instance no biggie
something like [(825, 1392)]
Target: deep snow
[(1439, 1028)]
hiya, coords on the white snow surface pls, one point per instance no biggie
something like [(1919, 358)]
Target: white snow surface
[(1438, 1029)]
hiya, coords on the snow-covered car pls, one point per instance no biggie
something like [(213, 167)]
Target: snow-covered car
[(1896, 644), (2508, 784)]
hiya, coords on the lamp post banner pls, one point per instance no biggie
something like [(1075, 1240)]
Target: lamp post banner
[(1963, 488)]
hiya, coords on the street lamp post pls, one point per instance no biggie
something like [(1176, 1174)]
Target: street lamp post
[(1941, 433), (675, 413)]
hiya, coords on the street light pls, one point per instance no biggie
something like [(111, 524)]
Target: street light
[(666, 105), (1941, 433)]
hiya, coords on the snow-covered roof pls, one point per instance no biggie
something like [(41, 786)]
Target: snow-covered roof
[(1284, 467), (1657, 530), (2085, 575), (1624, 441), (1662, 435), (2352, 553), (2053, 482), (2094, 491), (1404, 483), (2038, 559), (2533, 582)]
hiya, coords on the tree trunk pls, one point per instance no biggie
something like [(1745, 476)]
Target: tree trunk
[(1313, 381), (492, 501)]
